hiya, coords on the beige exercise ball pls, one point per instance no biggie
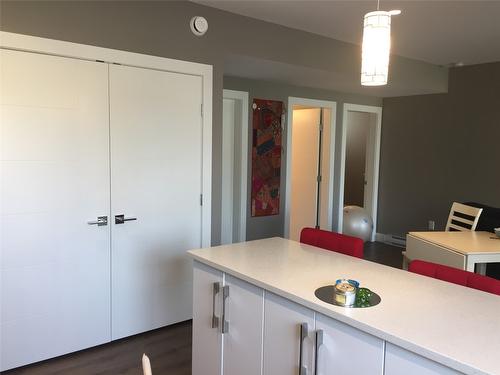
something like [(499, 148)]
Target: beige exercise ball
[(357, 223)]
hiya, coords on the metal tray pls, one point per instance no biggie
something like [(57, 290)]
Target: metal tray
[(325, 293)]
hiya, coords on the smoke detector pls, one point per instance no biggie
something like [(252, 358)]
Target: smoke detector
[(199, 25)]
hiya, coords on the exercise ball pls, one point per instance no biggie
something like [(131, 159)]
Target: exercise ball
[(357, 223)]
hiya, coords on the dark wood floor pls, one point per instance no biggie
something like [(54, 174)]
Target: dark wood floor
[(382, 253), (169, 348)]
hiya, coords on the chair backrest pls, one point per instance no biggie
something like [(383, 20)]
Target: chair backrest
[(456, 276), (463, 218), (332, 241), (146, 365)]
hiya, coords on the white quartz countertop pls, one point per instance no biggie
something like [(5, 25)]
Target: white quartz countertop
[(456, 326)]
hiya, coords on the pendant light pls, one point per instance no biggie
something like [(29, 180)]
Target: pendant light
[(376, 47)]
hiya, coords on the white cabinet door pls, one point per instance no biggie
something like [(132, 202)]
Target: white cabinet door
[(207, 337), (243, 338), (282, 337), (55, 268), (400, 361), (156, 178), (346, 350)]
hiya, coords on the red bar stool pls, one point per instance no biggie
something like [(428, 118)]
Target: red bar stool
[(332, 241), (455, 276)]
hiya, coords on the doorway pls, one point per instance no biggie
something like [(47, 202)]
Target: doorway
[(234, 166), (361, 128), (310, 162)]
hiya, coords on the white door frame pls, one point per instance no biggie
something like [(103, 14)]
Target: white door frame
[(348, 107), (319, 104), (85, 52), (242, 97)]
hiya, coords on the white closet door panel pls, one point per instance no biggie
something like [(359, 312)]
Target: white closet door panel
[(54, 178), (156, 156)]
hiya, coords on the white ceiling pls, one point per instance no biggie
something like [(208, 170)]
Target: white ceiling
[(439, 32)]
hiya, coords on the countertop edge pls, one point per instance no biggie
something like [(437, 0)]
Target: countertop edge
[(418, 236), (434, 356)]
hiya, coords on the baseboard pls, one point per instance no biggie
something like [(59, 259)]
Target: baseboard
[(391, 239)]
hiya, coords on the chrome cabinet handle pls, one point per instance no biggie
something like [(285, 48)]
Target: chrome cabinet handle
[(215, 318), (319, 342), (121, 219), (101, 221), (304, 332), (225, 323)]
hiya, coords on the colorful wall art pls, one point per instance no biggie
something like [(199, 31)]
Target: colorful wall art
[(266, 157)]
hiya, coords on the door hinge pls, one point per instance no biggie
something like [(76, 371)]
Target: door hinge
[(318, 178), (201, 199), (201, 106), (320, 127)]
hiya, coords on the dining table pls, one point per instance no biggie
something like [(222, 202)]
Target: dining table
[(468, 250)]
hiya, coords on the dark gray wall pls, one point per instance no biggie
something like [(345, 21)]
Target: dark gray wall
[(441, 148), (261, 227)]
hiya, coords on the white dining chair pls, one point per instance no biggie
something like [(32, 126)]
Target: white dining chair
[(461, 218), (146, 365)]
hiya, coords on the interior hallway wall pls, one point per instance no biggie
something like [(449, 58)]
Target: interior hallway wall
[(436, 149), (161, 28), (269, 226)]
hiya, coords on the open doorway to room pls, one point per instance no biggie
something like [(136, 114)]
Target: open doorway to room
[(360, 154), (234, 166), (310, 161)]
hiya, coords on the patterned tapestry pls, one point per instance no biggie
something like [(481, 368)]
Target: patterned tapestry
[(266, 157)]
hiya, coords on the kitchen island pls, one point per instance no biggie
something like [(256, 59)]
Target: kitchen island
[(255, 312)]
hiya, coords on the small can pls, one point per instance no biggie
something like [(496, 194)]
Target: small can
[(344, 293)]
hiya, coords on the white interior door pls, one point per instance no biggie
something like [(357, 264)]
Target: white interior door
[(305, 153), (326, 190), (55, 267), (306, 140), (156, 159), (234, 166), (228, 162), (370, 161)]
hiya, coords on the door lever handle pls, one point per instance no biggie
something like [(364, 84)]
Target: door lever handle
[(101, 220), (121, 219)]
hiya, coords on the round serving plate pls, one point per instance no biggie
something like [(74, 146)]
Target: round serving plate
[(325, 293)]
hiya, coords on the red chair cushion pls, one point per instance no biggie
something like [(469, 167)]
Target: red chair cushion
[(456, 276), (332, 241)]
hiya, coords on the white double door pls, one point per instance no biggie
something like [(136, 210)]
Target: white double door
[(82, 140)]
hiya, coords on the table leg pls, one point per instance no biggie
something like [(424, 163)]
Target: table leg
[(481, 268)]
